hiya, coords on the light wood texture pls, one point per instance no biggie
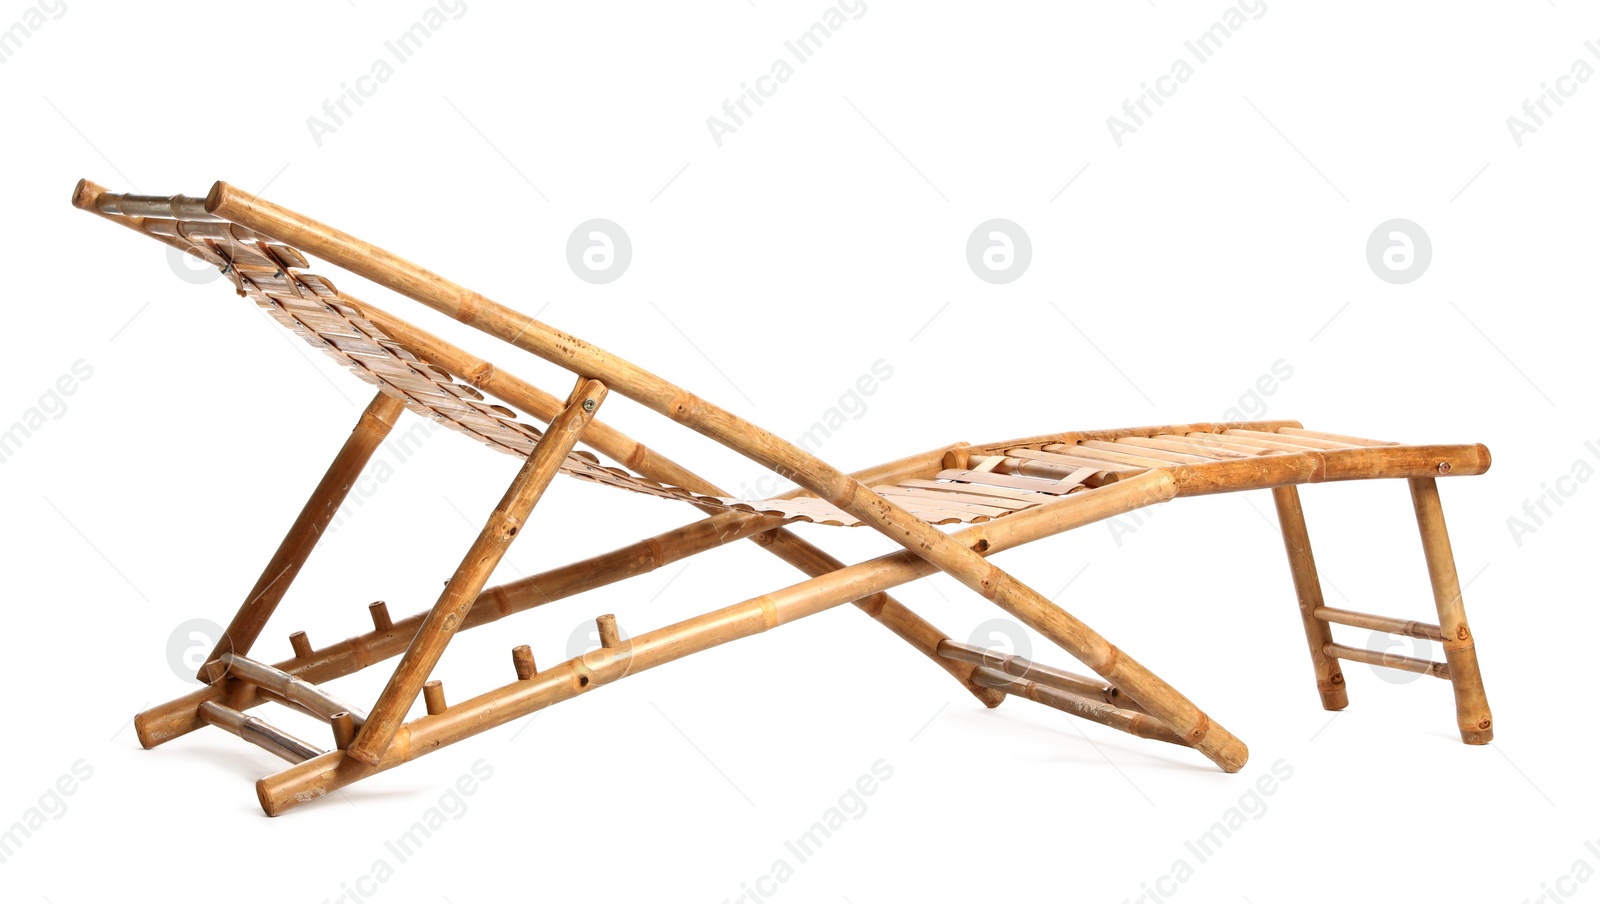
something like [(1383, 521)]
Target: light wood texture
[(1472, 705), (375, 423), (470, 577), (1007, 494), (1402, 627), (1389, 660), (1308, 591)]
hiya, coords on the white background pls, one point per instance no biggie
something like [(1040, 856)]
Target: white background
[(825, 234)]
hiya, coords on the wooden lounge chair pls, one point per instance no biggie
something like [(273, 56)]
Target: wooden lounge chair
[(1003, 494)]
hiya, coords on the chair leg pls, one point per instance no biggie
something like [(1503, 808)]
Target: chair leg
[(473, 573), (1308, 589), (376, 422), (1472, 705)]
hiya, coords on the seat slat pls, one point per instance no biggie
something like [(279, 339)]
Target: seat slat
[(1300, 442), (1190, 447), (1114, 456), (1335, 437)]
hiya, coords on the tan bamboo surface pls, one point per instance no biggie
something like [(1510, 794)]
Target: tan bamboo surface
[(1472, 706), (1132, 722), (1308, 588), (472, 575), (374, 425), (317, 777), (1007, 493)]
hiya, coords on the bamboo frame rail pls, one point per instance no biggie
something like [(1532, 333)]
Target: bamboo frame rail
[(1006, 494), (375, 423)]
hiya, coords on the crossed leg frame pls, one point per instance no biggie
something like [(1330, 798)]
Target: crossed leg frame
[(1118, 699), (1127, 695)]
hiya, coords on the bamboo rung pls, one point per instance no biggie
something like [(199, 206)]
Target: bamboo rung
[(433, 697), (380, 616), (1020, 667), (300, 644), (522, 658), (1388, 660), (268, 737), (1379, 623), (295, 691), (1134, 723)]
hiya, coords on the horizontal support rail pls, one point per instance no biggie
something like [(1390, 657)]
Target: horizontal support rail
[(1021, 667), (300, 693), (270, 738), (1388, 660), (1379, 623), (1138, 724)]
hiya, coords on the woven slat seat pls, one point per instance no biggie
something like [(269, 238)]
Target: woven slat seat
[(995, 496)]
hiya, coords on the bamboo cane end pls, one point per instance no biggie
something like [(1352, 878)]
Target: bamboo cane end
[(85, 194), (141, 727), (218, 196)]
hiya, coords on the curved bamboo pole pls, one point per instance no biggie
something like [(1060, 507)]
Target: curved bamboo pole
[(1029, 606)]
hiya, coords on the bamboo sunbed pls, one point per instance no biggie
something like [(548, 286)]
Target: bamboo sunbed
[(998, 496)]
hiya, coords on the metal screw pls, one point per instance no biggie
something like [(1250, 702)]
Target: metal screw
[(1444, 467), (588, 404)]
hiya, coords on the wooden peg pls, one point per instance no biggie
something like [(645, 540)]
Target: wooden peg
[(608, 632), (522, 658), (301, 645), (344, 730), (380, 616), (433, 696)]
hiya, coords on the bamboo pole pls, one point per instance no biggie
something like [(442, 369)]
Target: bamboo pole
[(771, 451), (1472, 704), (470, 577), (301, 694), (1389, 660), (1308, 590), (1022, 667), (374, 425), (1399, 626), (613, 444), (1134, 723), (270, 738), (316, 778)]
